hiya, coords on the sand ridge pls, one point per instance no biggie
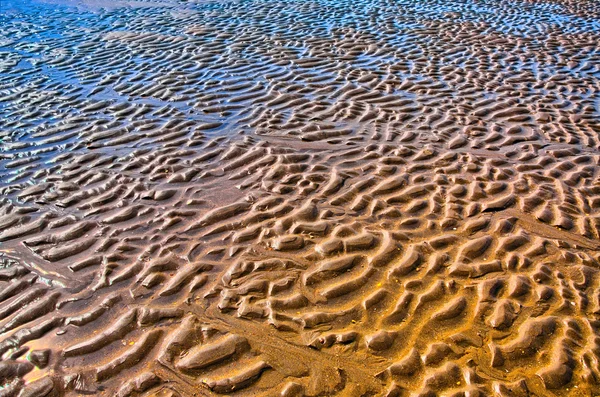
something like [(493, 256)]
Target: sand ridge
[(259, 198)]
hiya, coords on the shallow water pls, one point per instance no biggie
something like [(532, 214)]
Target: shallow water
[(292, 198)]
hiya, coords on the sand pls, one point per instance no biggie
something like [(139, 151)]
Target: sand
[(294, 198)]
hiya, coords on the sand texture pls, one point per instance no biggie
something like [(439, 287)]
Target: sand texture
[(300, 198)]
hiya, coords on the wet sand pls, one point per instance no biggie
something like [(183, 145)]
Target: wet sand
[(328, 198)]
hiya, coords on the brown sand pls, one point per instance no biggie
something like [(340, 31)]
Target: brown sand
[(256, 198)]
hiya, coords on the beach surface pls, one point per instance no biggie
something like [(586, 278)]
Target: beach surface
[(299, 198)]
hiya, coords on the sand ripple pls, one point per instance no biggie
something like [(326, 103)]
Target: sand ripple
[(354, 198)]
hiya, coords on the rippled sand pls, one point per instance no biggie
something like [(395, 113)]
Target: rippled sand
[(294, 198)]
